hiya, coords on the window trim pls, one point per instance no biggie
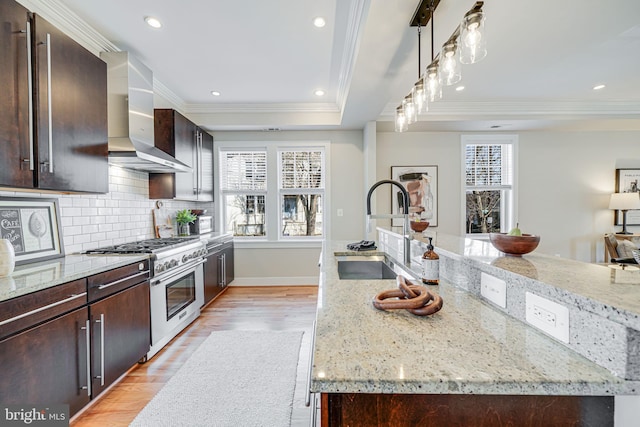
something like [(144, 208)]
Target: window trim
[(493, 139), (272, 238)]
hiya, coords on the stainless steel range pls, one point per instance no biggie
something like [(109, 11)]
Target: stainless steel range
[(177, 283)]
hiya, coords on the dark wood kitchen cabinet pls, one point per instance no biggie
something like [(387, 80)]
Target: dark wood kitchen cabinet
[(120, 334), (181, 138), (67, 343), (44, 347), (53, 130), (120, 322), (218, 270)]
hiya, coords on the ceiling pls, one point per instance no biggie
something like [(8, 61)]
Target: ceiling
[(267, 59)]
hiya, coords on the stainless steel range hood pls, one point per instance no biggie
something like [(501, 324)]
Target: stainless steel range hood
[(130, 116)]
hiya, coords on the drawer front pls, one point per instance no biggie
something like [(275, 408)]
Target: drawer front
[(23, 312), (112, 281)]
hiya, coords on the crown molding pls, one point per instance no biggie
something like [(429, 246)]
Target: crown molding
[(262, 108)]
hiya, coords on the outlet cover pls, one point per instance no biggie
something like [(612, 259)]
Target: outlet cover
[(548, 316), (493, 289)]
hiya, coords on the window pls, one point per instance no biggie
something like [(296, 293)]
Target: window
[(301, 178), (243, 184), (273, 193), (489, 183)]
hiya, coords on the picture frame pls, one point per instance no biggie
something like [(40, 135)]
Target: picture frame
[(32, 226), (627, 181), (421, 182)]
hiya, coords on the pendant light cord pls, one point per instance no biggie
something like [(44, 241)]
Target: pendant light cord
[(433, 18)]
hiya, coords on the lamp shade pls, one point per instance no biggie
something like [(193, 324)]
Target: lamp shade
[(624, 201)]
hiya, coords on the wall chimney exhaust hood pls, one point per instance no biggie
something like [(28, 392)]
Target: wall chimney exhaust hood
[(130, 117)]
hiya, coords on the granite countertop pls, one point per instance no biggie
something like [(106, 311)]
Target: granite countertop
[(41, 275), (467, 347)]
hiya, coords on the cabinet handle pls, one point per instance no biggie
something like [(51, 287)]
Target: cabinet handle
[(30, 93), (107, 285), (101, 376), (200, 174), (49, 103), (46, 307), (87, 331), (49, 163), (224, 270)]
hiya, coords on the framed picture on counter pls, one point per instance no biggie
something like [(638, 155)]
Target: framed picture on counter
[(33, 228), (421, 182), (628, 181)]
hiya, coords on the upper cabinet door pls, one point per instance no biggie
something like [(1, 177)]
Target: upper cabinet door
[(16, 160), (205, 167), (71, 113)]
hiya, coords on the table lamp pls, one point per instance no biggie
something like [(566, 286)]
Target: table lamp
[(624, 202)]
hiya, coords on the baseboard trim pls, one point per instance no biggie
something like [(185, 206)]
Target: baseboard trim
[(275, 281)]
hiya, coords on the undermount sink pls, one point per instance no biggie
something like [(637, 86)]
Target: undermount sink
[(361, 268)]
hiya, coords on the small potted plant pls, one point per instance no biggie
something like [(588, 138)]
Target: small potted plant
[(184, 217)]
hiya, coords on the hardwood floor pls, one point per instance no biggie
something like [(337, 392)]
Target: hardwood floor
[(238, 308)]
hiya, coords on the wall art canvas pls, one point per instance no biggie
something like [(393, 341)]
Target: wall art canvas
[(421, 182)]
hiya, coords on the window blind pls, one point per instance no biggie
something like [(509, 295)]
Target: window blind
[(302, 169), (243, 170), (488, 165)]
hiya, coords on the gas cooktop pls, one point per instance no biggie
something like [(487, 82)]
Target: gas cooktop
[(144, 246)]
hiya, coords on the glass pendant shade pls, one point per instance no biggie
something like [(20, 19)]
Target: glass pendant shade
[(433, 86), (473, 42), (409, 108), (450, 69), (420, 96), (401, 122)]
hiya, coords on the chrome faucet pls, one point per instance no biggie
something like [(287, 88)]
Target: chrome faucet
[(405, 216)]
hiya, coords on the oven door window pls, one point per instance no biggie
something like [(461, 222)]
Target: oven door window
[(180, 293)]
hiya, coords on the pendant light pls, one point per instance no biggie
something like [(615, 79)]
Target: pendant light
[(450, 72), (466, 45), (434, 88), (401, 122), (472, 36)]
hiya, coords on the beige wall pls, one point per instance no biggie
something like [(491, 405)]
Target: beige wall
[(565, 179)]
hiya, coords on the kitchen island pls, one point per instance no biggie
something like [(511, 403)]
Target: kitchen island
[(469, 363)]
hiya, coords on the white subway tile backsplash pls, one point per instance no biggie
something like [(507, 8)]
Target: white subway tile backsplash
[(123, 215)]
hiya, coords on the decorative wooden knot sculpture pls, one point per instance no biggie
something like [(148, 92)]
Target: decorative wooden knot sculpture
[(414, 298)]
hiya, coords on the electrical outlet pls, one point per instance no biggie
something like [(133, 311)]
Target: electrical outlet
[(340, 212), (493, 289), (548, 316)]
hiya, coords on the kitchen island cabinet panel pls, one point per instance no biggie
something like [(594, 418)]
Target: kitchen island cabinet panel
[(428, 410), (14, 102), (47, 364)]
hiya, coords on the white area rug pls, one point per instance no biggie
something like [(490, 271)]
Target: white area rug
[(235, 378)]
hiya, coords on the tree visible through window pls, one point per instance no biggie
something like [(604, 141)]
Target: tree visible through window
[(301, 192), (489, 172)]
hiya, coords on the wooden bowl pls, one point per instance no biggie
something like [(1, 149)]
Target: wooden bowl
[(514, 245), (419, 227)]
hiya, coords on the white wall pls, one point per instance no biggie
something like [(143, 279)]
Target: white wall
[(565, 179)]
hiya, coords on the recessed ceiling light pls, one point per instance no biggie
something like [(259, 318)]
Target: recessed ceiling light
[(459, 88), (152, 22), (319, 22), (215, 93), (598, 87), (319, 92)]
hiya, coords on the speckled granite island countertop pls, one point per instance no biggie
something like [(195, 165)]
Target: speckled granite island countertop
[(41, 275), (469, 347)]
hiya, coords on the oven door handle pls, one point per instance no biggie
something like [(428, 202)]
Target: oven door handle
[(182, 270)]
